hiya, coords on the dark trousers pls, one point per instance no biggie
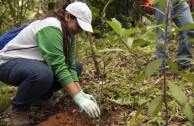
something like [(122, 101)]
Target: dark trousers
[(33, 78)]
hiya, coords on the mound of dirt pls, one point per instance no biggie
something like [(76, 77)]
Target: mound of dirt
[(80, 119), (69, 114), (67, 119)]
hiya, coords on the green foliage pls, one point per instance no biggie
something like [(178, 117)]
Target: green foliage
[(111, 50), (181, 98), (4, 103), (159, 120), (187, 76), (187, 110), (124, 96), (6, 92), (139, 63), (173, 66), (186, 27), (18, 12), (133, 39), (139, 78), (126, 36), (163, 3), (120, 64), (105, 7), (122, 101), (152, 67), (51, 5), (161, 26), (139, 109), (127, 12), (155, 106), (129, 32), (116, 25), (139, 43), (117, 9)]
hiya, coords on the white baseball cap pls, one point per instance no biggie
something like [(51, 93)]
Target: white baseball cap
[(83, 14)]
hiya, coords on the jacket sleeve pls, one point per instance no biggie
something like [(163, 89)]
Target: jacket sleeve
[(49, 40)]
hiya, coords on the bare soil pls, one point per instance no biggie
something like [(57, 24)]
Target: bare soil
[(78, 119), (68, 114)]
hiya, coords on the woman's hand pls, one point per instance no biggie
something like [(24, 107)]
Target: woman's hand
[(87, 105), (88, 96)]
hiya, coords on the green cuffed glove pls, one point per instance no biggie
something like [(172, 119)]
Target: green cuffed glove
[(88, 96), (87, 105)]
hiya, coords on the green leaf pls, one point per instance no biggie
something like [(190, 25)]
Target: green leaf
[(111, 50), (162, 45), (32, 16), (92, 56), (152, 67), (176, 15), (4, 103), (139, 63), (188, 40), (173, 1), (177, 93), (179, 3), (161, 26), (155, 106), (176, 5), (128, 32), (163, 3), (51, 5), (181, 98), (95, 13), (129, 41), (139, 42), (173, 66), (122, 100), (187, 76), (187, 110), (186, 27), (115, 25), (139, 78), (104, 9), (188, 59), (140, 108), (117, 22)]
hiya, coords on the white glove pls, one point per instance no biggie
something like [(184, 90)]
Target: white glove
[(87, 105), (88, 96)]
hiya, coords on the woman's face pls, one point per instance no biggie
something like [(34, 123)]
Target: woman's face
[(72, 25)]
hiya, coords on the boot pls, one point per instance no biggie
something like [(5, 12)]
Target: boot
[(45, 104), (19, 117)]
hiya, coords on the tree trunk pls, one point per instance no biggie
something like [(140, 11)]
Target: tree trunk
[(51, 5), (13, 10), (93, 54)]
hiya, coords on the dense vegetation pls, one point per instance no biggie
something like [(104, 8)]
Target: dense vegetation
[(120, 68)]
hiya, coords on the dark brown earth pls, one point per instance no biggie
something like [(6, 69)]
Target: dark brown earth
[(68, 114), (78, 119)]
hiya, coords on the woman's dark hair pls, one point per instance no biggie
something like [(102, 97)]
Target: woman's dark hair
[(59, 14)]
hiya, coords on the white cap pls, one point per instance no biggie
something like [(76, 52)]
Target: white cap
[(83, 14)]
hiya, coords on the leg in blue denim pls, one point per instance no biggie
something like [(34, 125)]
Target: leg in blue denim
[(161, 19), (183, 19), (32, 77), (79, 68)]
